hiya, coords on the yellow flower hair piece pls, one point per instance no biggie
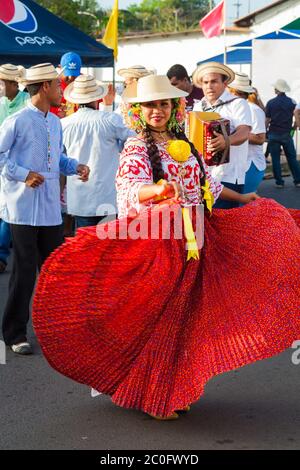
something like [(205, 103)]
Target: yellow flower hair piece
[(135, 119), (180, 150), (208, 196)]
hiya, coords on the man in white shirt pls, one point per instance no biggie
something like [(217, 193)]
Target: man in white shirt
[(213, 78), (241, 87), (92, 136)]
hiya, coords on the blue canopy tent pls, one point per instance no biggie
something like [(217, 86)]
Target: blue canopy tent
[(30, 34), (236, 56), (242, 53)]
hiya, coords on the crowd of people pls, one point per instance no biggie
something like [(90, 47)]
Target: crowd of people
[(146, 321)]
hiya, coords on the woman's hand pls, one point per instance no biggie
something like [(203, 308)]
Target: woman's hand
[(169, 190), (249, 197)]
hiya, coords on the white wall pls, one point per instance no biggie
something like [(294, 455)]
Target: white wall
[(276, 18), (273, 59), (161, 52)]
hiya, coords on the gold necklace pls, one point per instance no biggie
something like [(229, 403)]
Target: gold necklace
[(161, 136)]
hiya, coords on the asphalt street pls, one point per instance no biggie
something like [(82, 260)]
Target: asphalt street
[(255, 407)]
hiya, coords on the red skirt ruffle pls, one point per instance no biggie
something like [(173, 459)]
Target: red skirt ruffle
[(134, 320)]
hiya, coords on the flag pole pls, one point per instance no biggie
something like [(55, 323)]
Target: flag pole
[(224, 32), (114, 81)]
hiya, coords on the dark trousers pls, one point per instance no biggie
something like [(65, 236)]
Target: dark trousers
[(220, 204), (81, 222), (276, 141), (31, 245)]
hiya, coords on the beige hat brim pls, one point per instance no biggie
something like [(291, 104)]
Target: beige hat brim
[(11, 73), (84, 98), (129, 92), (134, 73), (44, 78), (245, 89), (158, 96), (212, 67), (8, 78), (284, 89)]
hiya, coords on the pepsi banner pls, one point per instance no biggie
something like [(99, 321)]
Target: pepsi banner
[(30, 34)]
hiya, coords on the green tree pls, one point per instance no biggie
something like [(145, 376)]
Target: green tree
[(91, 22), (169, 15)]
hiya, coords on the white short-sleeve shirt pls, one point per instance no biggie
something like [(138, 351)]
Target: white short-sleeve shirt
[(255, 152), (238, 112)]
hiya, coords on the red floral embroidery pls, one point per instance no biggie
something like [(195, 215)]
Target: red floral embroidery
[(134, 167), (135, 170), (173, 169)]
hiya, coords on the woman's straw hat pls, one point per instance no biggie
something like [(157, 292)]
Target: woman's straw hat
[(155, 87), (281, 85), (85, 89), (38, 74), (11, 72), (242, 83), (135, 71), (130, 91), (212, 67)]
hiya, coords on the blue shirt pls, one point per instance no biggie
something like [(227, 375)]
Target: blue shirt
[(32, 141), (281, 111)]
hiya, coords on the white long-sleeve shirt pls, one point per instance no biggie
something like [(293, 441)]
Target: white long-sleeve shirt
[(94, 138), (31, 140)]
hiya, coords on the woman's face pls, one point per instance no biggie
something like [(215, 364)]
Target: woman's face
[(157, 113)]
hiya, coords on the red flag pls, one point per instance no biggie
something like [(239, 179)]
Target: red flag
[(213, 22)]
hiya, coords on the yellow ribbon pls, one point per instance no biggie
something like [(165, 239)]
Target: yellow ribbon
[(193, 252), (208, 196)]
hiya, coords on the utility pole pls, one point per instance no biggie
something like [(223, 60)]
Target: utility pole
[(176, 18), (237, 5)]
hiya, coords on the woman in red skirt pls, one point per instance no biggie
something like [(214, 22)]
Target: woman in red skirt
[(137, 312)]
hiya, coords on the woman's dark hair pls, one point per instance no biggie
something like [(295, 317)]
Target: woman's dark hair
[(154, 156)]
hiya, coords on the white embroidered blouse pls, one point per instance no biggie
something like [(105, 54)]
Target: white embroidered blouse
[(135, 171)]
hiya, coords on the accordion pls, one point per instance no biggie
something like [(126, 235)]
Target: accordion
[(200, 127)]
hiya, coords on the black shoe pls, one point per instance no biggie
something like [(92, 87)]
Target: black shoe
[(22, 348)]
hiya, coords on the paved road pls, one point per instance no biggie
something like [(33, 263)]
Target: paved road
[(255, 407)]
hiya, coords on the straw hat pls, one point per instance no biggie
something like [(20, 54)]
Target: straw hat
[(155, 87), (135, 71), (11, 72), (212, 67), (85, 89), (38, 74), (130, 91), (242, 83), (281, 85)]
